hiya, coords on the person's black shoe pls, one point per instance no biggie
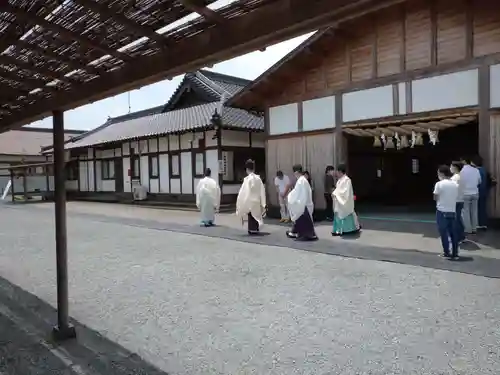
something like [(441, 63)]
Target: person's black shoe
[(306, 239)]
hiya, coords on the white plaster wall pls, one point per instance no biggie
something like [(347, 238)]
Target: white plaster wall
[(284, 119), (186, 141), (163, 144), (495, 86), (258, 140), (153, 145), (231, 189), (71, 185), (209, 141), (98, 175), (126, 148), (402, 98), (107, 153), (175, 186), (90, 164), (154, 185), (143, 146), (108, 185), (212, 162), (118, 152), (174, 142), (235, 138), (127, 187), (186, 173), (90, 153), (445, 91), (367, 104), (144, 171), (318, 113), (83, 176), (164, 174)]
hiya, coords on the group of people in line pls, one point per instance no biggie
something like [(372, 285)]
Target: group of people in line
[(460, 194), (461, 202), (295, 200)]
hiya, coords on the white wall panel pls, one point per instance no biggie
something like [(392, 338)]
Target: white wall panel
[(212, 162), (402, 98), (83, 176), (145, 171), (98, 175), (127, 187), (163, 142), (126, 148), (107, 154), (186, 173), (164, 174), (91, 175), (118, 152), (284, 119), (367, 104), (174, 142), (108, 185), (154, 185), (186, 141), (209, 141), (231, 189), (90, 153), (143, 146), (71, 185), (446, 91), (495, 86), (153, 145), (318, 113), (258, 140), (235, 138), (175, 186)]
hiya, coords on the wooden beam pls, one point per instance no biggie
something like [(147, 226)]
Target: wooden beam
[(73, 64), (108, 12), (28, 82), (20, 64), (24, 16), (197, 6), (277, 22)]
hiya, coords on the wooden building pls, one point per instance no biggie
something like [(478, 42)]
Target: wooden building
[(360, 91), (165, 150)]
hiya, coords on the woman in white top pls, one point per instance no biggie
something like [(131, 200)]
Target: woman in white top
[(455, 168)]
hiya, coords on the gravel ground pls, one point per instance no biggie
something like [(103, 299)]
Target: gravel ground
[(197, 305)]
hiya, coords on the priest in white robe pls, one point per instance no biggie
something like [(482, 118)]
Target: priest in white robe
[(208, 198), (345, 220), (301, 207), (251, 201)]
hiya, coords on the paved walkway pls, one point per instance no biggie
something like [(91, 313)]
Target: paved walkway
[(195, 301)]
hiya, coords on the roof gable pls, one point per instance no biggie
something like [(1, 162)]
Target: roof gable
[(240, 100), (204, 86)]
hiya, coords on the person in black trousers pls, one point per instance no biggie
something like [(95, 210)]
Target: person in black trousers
[(329, 187)]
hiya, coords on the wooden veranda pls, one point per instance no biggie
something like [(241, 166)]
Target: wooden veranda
[(60, 54)]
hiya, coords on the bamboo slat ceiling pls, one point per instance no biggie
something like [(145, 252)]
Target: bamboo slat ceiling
[(57, 54)]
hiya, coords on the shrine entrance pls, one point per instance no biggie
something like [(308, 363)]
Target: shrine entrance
[(395, 165)]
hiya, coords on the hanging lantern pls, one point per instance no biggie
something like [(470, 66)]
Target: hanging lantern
[(384, 140), (398, 141), (390, 142), (433, 136), (419, 140), (376, 142), (404, 141)]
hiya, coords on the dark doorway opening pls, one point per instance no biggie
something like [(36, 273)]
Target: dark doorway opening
[(405, 177)]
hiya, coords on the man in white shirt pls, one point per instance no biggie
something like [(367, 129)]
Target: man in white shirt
[(445, 195), (471, 179), (282, 183), (455, 169)]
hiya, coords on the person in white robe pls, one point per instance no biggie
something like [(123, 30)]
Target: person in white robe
[(301, 207), (251, 201), (208, 198), (345, 220)]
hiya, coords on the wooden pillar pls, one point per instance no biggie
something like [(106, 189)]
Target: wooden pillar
[(484, 114), (63, 330)]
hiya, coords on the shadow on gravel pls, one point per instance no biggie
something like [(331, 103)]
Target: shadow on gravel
[(26, 347)]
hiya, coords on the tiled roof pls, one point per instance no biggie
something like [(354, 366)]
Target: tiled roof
[(28, 141), (181, 120), (214, 85)]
